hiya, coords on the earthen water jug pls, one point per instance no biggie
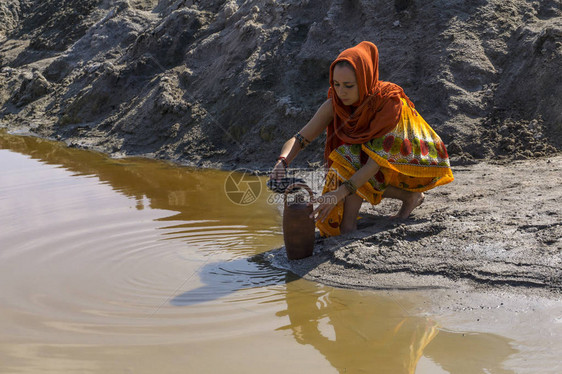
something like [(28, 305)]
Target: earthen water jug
[(298, 227)]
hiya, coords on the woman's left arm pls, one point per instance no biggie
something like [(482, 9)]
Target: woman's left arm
[(328, 201)]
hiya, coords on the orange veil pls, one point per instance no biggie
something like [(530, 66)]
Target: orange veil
[(378, 110)]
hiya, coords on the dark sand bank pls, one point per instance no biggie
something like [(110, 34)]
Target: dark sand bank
[(224, 83)]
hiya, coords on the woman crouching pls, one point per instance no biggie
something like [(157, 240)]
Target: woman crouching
[(377, 144)]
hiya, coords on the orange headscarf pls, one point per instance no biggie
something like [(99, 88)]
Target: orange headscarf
[(378, 110)]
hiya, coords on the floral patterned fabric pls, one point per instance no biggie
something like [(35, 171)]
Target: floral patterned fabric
[(411, 157)]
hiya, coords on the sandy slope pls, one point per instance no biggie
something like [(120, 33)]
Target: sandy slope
[(224, 83)]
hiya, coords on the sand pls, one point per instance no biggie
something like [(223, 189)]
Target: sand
[(225, 83), (494, 226)]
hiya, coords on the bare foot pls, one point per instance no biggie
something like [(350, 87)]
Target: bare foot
[(413, 201)]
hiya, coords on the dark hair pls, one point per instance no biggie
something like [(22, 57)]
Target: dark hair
[(344, 63)]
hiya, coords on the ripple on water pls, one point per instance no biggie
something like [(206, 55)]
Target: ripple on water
[(87, 263)]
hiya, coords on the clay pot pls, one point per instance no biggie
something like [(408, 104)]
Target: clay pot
[(298, 228)]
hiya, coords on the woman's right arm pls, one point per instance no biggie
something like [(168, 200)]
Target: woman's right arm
[(314, 127), (321, 119)]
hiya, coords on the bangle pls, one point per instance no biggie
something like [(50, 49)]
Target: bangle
[(284, 161), (302, 140), (351, 187)]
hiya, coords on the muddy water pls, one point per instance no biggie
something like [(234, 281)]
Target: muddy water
[(137, 266)]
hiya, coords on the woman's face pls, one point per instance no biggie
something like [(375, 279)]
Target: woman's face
[(345, 84)]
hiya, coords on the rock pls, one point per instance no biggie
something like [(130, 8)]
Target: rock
[(9, 16), (33, 87), (454, 148)]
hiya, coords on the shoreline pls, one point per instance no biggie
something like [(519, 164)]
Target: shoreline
[(470, 258), (506, 233), (527, 319)]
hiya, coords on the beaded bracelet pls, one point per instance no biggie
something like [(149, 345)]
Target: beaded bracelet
[(284, 161), (302, 140), (351, 187)]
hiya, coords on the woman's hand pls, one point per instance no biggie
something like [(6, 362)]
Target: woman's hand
[(278, 171), (327, 202)]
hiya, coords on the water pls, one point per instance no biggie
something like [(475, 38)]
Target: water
[(138, 266)]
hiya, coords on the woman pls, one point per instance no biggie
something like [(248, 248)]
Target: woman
[(377, 145)]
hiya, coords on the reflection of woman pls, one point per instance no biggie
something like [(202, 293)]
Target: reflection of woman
[(377, 144), (370, 337)]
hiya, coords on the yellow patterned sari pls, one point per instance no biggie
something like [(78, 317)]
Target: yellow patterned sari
[(411, 157)]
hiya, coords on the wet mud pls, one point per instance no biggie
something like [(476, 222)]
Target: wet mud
[(495, 226)]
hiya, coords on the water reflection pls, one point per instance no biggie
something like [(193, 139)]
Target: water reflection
[(104, 281), (358, 331), (355, 333), (470, 352), (195, 198)]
